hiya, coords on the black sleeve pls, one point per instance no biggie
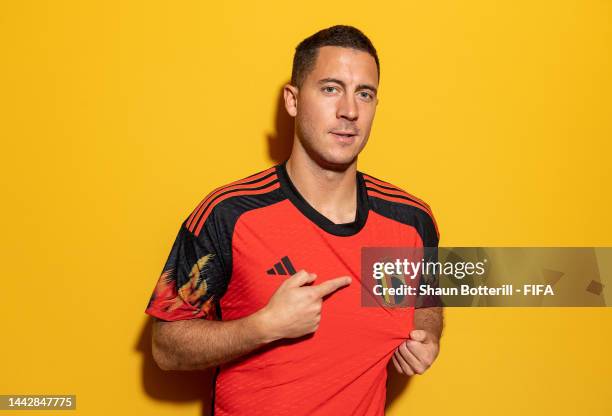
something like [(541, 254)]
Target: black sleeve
[(193, 278), (431, 237)]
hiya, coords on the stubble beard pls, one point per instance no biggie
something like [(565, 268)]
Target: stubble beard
[(308, 140)]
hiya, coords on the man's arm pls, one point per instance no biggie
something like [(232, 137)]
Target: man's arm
[(417, 354), (430, 320), (197, 344), (294, 310)]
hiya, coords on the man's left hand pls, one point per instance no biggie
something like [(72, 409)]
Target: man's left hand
[(417, 354)]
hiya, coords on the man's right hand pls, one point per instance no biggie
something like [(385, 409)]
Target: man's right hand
[(294, 309)]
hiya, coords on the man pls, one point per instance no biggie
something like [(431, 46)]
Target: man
[(272, 261)]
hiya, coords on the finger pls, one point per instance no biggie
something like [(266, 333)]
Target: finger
[(406, 369), (396, 364), (330, 286), (424, 352), (418, 335), (411, 359), (418, 349), (300, 279)]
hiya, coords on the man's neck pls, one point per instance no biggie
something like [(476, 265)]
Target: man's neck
[(332, 193)]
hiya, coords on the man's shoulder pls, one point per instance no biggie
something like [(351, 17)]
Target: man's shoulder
[(259, 180), (392, 200), (228, 200), (382, 189)]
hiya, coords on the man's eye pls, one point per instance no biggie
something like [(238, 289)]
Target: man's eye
[(367, 95), (329, 89)]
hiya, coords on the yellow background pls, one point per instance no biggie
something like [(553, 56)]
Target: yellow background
[(116, 118)]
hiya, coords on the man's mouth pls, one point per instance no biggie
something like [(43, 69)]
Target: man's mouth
[(343, 133), (344, 137)]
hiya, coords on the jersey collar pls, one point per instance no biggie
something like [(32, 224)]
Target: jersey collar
[(343, 230)]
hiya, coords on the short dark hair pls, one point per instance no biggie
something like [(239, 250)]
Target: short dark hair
[(340, 35)]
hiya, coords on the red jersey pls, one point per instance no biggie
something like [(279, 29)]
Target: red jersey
[(243, 240)]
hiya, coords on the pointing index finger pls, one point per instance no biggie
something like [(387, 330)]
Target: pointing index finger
[(331, 285)]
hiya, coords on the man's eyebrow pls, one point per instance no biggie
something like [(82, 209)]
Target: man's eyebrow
[(338, 81)]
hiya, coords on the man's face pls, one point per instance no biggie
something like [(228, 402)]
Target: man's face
[(336, 105)]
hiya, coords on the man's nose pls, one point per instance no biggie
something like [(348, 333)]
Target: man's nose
[(347, 108)]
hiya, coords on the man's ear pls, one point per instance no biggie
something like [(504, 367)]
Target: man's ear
[(290, 95)]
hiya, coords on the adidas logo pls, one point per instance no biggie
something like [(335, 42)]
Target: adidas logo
[(279, 269)]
